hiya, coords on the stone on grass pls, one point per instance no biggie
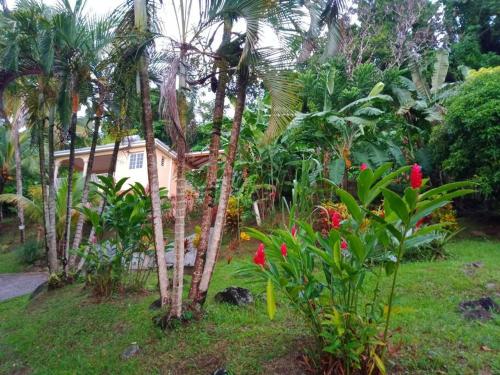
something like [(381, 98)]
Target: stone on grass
[(235, 295), (131, 351), (220, 371), (479, 309), (155, 305)]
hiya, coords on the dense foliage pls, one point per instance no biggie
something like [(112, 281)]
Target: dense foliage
[(468, 144)]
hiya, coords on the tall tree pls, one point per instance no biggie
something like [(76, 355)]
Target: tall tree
[(141, 26)]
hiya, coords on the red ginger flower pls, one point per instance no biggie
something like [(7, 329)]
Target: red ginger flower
[(284, 250), (363, 166), (260, 257), (416, 176), (343, 245), (336, 218), (294, 231)]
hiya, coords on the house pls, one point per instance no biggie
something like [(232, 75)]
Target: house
[(131, 162)]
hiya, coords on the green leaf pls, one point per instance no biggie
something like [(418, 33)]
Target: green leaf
[(377, 188), (351, 205), (445, 188), (336, 171), (357, 247), (397, 205), (271, 302), (377, 89), (365, 180), (380, 364), (411, 196)]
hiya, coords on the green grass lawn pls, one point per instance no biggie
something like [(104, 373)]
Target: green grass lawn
[(66, 332)]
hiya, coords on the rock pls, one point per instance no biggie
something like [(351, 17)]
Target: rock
[(156, 305), (491, 286), (479, 309), (235, 295), (220, 371), (474, 265), (131, 351), (41, 288)]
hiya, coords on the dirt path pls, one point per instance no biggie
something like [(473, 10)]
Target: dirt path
[(18, 284)]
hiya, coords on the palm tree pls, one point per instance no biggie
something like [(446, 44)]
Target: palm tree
[(6, 160), (140, 14), (99, 38), (270, 66)]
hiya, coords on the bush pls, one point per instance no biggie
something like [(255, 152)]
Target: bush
[(324, 276), (30, 252), (123, 235), (468, 147)]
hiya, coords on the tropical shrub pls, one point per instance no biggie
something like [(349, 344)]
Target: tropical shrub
[(469, 144), (30, 252), (123, 235), (335, 280)]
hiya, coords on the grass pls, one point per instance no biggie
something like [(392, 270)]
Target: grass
[(67, 332)]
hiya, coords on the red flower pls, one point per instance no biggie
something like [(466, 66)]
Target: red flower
[(294, 231), (283, 249), (336, 218), (260, 257), (363, 166), (423, 220), (416, 176), (343, 245)]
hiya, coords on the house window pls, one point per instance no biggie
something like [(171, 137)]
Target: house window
[(136, 160), (162, 161)]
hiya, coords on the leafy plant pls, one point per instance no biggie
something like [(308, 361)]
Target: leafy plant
[(123, 236), (30, 251), (334, 279)]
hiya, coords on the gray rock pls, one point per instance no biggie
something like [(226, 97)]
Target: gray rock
[(220, 371), (131, 351), (235, 295), (479, 309)]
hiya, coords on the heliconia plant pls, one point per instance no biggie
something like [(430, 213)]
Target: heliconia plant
[(335, 279)]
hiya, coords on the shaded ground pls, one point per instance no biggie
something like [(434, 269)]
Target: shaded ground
[(18, 284)]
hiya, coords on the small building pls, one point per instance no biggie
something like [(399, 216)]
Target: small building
[(131, 162)]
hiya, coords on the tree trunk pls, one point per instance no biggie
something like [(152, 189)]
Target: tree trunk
[(312, 35), (51, 205), (52, 257), (227, 179), (154, 187), (102, 204), (77, 239), (71, 167), (19, 173), (213, 159)]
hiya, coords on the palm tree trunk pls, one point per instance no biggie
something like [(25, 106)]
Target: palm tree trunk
[(51, 205), (71, 168), (46, 221), (154, 187), (213, 159), (227, 179), (179, 230), (77, 239), (19, 173), (102, 204)]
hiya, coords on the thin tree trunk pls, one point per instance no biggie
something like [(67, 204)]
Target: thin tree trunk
[(227, 179), (102, 204), (154, 187), (180, 200), (52, 257), (179, 235), (19, 173), (51, 205), (77, 239), (312, 35), (213, 159), (71, 167)]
